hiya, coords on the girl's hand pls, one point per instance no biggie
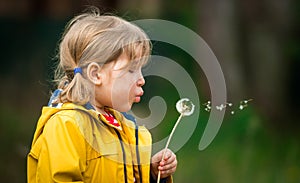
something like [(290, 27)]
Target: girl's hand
[(167, 166)]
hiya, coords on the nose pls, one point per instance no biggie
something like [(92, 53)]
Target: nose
[(141, 81)]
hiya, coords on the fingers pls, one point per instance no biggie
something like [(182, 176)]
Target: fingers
[(166, 173), (168, 165), (158, 156), (168, 154), (169, 157)]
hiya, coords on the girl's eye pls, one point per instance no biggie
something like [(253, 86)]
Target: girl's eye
[(131, 71)]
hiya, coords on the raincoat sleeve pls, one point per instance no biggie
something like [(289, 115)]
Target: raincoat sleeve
[(65, 150)]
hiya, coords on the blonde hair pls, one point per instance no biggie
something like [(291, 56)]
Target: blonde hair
[(91, 37)]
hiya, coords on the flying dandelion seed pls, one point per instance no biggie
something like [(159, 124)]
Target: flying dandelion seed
[(242, 105)]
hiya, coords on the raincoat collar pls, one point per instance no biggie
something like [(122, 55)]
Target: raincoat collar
[(89, 107)]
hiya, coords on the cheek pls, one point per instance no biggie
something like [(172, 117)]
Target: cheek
[(122, 100), (121, 92), (119, 86), (103, 96), (125, 83)]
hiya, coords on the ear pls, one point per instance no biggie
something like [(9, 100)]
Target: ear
[(94, 74)]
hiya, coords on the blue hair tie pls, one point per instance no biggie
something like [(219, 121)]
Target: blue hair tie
[(77, 70)]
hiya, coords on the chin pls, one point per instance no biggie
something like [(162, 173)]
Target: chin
[(124, 108)]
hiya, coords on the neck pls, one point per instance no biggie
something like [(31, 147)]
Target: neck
[(98, 107)]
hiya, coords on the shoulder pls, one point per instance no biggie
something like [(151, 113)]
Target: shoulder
[(74, 113), (71, 119)]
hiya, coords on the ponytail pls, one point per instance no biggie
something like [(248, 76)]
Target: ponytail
[(75, 88)]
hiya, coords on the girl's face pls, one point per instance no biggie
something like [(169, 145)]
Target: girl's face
[(120, 86)]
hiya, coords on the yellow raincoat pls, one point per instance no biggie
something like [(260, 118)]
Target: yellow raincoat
[(74, 144)]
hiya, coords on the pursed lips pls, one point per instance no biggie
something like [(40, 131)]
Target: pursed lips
[(138, 97)]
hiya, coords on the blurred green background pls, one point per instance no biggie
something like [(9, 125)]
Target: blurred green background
[(257, 43)]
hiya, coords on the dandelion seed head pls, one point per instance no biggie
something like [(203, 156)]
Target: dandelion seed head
[(185, 107)]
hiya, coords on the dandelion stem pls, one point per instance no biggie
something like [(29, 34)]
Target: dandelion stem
[(168, 142)]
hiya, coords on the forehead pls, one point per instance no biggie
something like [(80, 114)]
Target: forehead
[(124, 62), (137, 53)]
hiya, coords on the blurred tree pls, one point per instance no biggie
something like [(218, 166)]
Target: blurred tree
[(218, 27), (249, 39), (140, 8), (263, 26)]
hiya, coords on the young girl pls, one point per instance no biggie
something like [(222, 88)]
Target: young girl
[(82, 136)]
